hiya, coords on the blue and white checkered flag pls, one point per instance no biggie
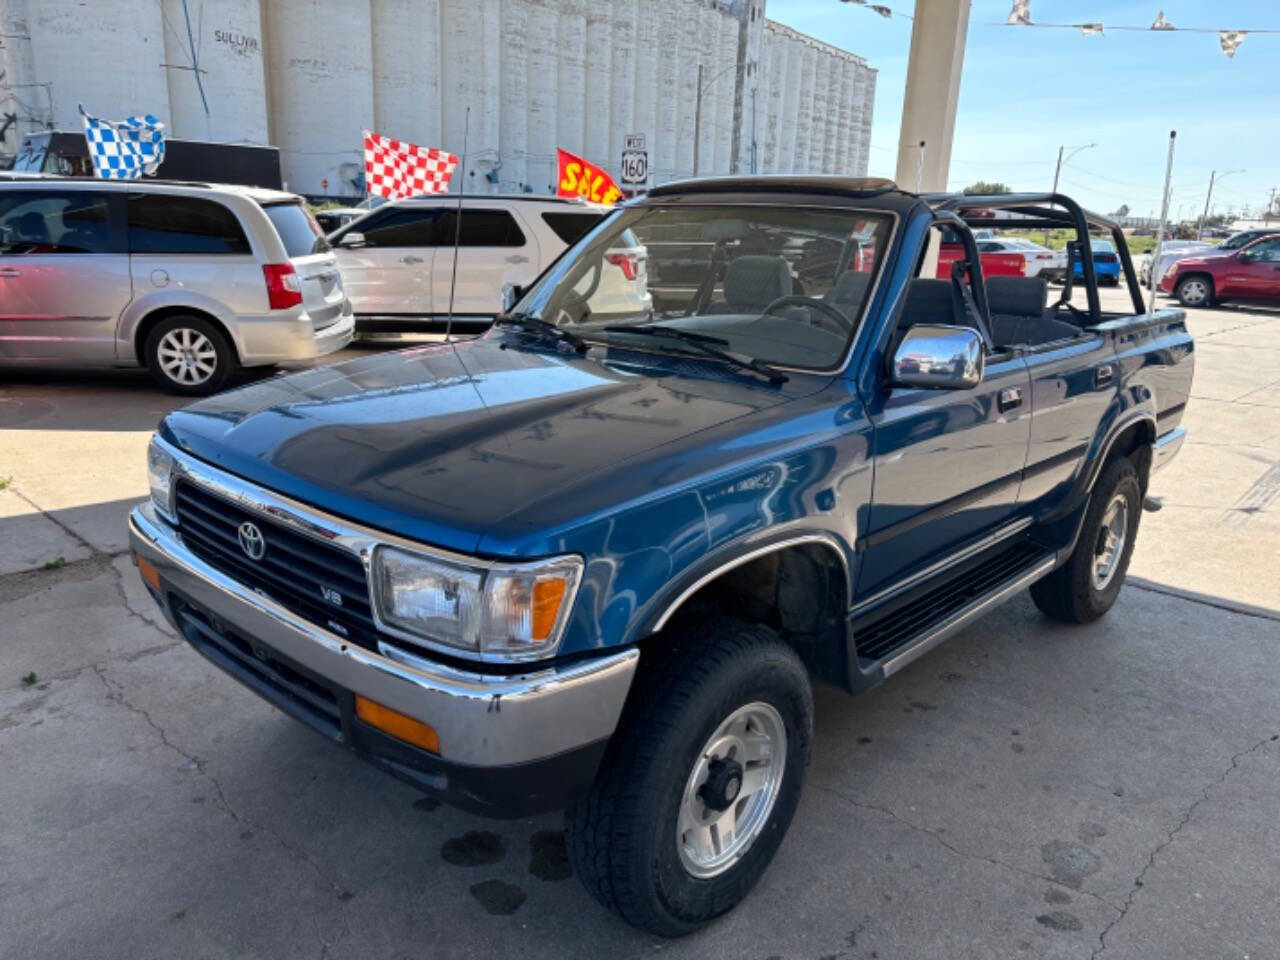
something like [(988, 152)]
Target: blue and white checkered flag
[(125, 150)]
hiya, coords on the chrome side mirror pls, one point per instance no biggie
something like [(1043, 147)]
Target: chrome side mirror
[(939, 357), (511, 294), (352, 239)]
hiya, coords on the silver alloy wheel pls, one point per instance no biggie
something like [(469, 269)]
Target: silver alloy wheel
[(1110, 543), (743, 762), (1195, 290), (187, 356)]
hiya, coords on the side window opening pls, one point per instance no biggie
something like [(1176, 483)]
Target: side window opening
[(570, 227), (164, 223), (61, 222)]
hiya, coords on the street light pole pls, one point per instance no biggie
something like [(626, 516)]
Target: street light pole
[(1214, 176), (1058, 169), (697, 109)]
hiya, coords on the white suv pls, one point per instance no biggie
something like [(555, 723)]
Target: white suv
[(189, 280), (397, 261)]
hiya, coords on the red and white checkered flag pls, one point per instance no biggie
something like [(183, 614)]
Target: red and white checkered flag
[(395, 169)]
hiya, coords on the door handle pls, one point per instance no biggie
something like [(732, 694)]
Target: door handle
[(411, 259), (1102, 375), (10, 272), (517, 259), (1009, 398)]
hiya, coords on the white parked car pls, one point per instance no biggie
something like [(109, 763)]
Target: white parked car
[(1039, 259), (189, 280), (398, 261)]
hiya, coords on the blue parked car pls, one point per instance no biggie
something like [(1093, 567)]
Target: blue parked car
[(597, 562), (1106, 263)]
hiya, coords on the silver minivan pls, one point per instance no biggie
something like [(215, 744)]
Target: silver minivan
[(190, 280)]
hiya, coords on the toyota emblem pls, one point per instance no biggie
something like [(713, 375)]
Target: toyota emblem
[(251, 540)]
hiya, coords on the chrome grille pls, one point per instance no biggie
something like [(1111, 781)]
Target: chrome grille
[(298, 572)]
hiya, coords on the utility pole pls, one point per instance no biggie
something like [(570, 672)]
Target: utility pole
[(697, 122), (1266, 214), (1209, 196)]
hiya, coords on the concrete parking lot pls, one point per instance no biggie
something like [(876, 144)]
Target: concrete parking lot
[(1027, 790)]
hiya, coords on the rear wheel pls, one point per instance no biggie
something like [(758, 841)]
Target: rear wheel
[(1194, 291), (701, 779), (189, 355), (1086, 586)]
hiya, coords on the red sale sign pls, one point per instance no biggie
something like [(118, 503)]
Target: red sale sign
[(577, 178)]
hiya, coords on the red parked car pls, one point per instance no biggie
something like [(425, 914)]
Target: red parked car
[(993, 264), (1250, 273)]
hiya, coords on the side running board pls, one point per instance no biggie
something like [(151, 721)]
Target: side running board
[(892, 636)]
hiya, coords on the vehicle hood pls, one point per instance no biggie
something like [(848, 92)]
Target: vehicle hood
[(447, 444), (1204, 258)]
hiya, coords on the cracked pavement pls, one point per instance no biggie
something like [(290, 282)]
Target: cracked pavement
[(1027, 790)]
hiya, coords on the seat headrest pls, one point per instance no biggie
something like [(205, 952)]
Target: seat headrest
[(1017, 296), (754, 282), (851, 287), (928, 301)]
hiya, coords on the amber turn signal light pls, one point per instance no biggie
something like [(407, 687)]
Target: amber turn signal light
[(398, 725), (149, 574)]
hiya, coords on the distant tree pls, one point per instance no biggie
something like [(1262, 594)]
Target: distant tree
[(1121, 211), (983, 189)]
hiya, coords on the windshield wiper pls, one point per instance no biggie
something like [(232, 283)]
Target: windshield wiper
[(530, 323), (703, 343)]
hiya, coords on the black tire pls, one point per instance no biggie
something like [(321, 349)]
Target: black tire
[(1072, 593), (622, 838), (211, 349), (1188, 291)]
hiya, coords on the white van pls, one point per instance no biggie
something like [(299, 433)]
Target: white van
[(189, 280)]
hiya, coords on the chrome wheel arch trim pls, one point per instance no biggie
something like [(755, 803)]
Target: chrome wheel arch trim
[(828, 540)]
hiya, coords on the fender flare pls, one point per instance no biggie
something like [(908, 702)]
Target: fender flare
[(733, 555), (1094, 465)]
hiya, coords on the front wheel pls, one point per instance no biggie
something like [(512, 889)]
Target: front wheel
[(1086, 586), (1194, 291), (701, 780)]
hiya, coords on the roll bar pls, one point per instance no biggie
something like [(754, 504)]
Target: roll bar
[(1037, 211)]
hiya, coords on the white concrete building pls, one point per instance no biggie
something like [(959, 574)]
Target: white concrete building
[(310, 75)]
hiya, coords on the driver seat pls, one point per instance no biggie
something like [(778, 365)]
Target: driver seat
[(751, 283)]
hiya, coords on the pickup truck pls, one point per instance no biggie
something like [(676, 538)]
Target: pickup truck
[(596, 564)]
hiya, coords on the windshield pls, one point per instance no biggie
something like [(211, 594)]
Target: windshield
[(783, 285), (298, 229)]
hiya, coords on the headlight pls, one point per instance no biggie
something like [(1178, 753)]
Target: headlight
[(498, 613), (159, 477)]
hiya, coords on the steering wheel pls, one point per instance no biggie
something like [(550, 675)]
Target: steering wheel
[(792, 300)]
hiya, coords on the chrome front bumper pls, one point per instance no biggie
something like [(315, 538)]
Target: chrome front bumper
[(482, 720)]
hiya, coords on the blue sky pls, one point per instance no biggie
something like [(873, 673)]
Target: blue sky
[(1026, 91)]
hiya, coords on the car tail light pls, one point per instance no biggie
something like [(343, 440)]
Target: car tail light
[(284, 289), (628, 263), (1044, 256), (1022, 268)]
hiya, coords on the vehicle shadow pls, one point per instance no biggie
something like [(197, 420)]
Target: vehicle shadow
[(51, 537)]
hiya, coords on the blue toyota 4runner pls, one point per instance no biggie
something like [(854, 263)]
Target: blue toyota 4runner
[(595, 558)]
